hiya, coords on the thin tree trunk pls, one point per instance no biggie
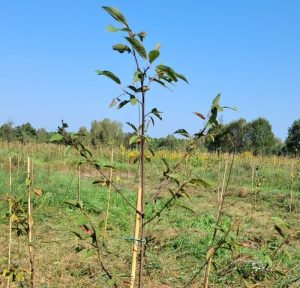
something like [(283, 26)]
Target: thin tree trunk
[(142, 181), (220, 207)]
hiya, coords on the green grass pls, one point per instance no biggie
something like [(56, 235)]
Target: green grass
[(179, 237)]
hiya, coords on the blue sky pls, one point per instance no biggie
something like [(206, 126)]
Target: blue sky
[(246, 50)]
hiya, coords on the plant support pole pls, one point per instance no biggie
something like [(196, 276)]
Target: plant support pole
[(10, 220), (78, 182), (30, 225), (109, 191), (135, 248)]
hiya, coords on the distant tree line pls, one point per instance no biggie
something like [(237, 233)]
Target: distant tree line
[(255, 136), (239, 136)]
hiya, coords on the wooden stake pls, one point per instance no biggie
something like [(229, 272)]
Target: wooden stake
[(135, 248), (30, 225), (218, 176), (78, 182), (109, 191), (10, 220), (206, 278), (291, 189), (252, 184)]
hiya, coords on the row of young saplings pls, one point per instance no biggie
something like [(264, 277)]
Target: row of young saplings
[(20, 220)]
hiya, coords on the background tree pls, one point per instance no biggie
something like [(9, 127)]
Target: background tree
[(233, 136), (278, 147), (84, 135), (292, 142), (169, 142), (7, 132), (106, 132), (42, 136), (25, 133), (261, 137)]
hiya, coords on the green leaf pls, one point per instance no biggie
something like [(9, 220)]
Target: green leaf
[(138, 75), (20, 277), (121, 48), (137, 46), (280, 226), (109, 74), (77, 204), (268, 260), (133, 88), (198, 182), (88, 253), (111, 28), (133, 139), (167, 167), (116, 14), (123, 103), (167, 70), (79, 236), (132, 126), (185, 207), (110, 167), (173, 177), (159, 82), (279, 221), (56, 137), (157, 113), (182, 132), (28, 181), (151, 151), (280, 230), (216, 101), (133, 100), (102, 182), (152, 120), (180, 76), (153, 54)]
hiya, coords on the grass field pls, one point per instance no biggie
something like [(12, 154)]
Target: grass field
[(263, 193)]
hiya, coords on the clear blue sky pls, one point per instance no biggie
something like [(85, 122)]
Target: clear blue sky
[(247, 50)]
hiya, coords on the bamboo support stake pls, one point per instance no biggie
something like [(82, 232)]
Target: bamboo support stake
[(292, 186), (220, 207), (78, 182), (254, 189), (18, 165), (109, 192), (10, 220), (135, 248), (30, 225), (218, 176), (206, 278)]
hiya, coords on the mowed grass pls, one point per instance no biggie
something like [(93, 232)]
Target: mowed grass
[(260, 188)]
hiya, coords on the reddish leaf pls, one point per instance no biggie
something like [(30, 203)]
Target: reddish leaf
[(199, 115)]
